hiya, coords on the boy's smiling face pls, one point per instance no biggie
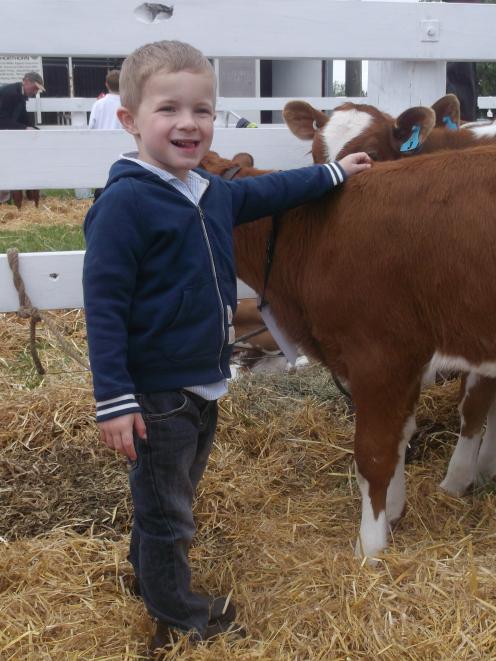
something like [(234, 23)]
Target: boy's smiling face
[(174, 122)]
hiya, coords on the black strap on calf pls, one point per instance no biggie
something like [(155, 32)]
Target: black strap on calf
[(271, 245), (269, 259)]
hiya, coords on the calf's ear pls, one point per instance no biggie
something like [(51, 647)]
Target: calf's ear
[(243, 159), (303, 119), (411, 129), (447, 110)]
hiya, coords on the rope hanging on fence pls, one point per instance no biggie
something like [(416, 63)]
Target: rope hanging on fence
[(27, 310)]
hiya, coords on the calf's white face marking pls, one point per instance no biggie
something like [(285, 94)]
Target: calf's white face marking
[(343, 126)]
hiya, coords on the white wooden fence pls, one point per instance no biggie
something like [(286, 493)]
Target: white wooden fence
[(77, 108), (407, 45)]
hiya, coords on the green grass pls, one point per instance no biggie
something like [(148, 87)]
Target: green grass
[(65, 193), (44, 238)]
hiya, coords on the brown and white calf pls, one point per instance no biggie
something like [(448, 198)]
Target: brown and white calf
[(352, 127), (376, 279)]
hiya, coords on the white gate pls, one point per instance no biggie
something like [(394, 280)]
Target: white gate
[(407, 45)]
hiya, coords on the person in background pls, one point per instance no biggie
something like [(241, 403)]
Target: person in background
[(14, 117), (104, 112), (13, 97), (461, 80)]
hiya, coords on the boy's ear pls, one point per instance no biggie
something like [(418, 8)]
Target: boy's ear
[(126, 118)]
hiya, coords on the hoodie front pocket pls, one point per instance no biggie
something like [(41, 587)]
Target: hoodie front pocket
[(197, 328), (185, 309)]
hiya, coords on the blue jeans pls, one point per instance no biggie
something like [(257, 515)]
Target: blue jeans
[(180, 429)]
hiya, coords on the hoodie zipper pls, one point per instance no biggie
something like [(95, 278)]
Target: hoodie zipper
[(212, 264)]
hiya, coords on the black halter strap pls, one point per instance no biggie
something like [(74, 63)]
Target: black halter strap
[(269, 259), (271, 241)]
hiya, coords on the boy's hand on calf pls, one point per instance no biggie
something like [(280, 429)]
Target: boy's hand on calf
[(117, 433), (354, 163)]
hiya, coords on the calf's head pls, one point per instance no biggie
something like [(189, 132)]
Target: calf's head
[(354, 127)]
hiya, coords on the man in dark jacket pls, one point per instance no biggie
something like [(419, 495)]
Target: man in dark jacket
[(461, 80), (13, 100), (14, 117)]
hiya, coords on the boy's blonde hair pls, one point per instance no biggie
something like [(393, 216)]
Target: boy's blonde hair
[(173, 56)]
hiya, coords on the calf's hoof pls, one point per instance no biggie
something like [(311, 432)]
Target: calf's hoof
[(372, 555), (455, 488)]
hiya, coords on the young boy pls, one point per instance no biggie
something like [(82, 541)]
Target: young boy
[(104, 112), (160, 292)]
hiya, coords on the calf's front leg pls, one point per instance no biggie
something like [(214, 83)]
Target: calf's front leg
[(384, 425)]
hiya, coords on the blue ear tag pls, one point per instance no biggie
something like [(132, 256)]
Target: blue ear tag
[(450, 124), (413, 142)]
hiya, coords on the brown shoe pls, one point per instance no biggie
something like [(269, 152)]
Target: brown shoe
[(133, 586), (166, 636), (233, 630), (219, 607), (221, 610)]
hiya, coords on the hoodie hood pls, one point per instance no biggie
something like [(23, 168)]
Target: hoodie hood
[(124, 168)]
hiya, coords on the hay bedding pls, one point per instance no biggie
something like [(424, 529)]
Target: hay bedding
[(277, 513), (51, 211)]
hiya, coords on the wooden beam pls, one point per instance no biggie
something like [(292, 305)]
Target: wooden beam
[(394, 86), (77, 158), (237, 104), (78, 104), (271, 29), (53, 281)]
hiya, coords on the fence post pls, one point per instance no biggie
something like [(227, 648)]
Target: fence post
[(80, 120), (396, 85)]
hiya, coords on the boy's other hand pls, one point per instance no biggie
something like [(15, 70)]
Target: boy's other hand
[(354, 163), (117, 433)]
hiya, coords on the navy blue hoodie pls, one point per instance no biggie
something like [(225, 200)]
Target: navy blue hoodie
[(159, 277)]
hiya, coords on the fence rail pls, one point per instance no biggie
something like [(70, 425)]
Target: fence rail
[(78, 107), (407, 46), (81, 104), (53, 281), (75, 158), (271, 29)]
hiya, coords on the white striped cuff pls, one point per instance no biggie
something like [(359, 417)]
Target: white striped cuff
[(337, 173), (120, 405)]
